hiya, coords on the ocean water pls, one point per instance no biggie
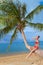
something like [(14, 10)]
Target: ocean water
[(16, 47)]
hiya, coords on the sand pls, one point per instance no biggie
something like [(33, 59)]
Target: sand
[(20, 59)]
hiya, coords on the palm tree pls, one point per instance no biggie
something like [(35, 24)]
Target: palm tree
[(15, 18)]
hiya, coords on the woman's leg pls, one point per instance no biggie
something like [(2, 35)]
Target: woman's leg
[(34, 49)]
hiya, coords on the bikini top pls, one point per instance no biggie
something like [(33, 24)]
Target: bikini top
[(36, 42)]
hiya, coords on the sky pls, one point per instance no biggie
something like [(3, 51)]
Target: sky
[(29, 32)]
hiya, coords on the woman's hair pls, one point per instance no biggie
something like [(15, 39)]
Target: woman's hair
[(38, 37)]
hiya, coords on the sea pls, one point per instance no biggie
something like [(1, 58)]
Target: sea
[(17, 47)]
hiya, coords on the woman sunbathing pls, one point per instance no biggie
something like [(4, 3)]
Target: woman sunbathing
[(34, 48)]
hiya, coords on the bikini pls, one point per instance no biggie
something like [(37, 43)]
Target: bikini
[(36, 46)]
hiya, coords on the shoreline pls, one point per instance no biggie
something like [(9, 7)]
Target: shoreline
[(10, 54)]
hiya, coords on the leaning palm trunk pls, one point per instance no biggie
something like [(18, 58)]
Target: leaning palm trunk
[(25, 41)]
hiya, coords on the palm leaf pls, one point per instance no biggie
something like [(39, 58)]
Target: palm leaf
[(9, 20), (36, 25), (24, 23), (3, 20), (23, 11), (9, 8), (13, 36), (35, 11), (7, 29)]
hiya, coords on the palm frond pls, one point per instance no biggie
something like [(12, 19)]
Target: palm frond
[(35, 11), (9, 8), (13, 36), (8, 20), (36, 25), (23, 11), (24, 23), (3, 20), (7, 29), (2, 26)]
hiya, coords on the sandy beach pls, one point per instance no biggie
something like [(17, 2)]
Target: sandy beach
[(20, 59)]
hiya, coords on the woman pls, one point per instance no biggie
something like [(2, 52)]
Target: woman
[(33, 49)]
